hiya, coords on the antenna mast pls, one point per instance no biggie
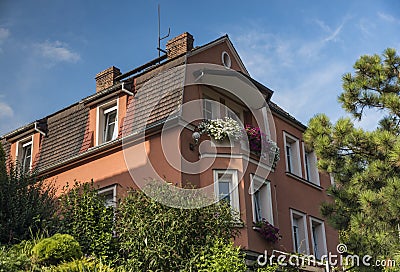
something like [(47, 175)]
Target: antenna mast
[(159, 34)]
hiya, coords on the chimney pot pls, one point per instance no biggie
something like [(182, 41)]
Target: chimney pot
[(105, 79), (179, 45)]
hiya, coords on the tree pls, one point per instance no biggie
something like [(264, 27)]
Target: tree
[(155, 237), (27, 203), (365, 164)]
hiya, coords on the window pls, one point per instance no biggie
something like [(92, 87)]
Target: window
[(226, 187), (24, 154), (299, 232), (208, 109), (107, 123), (292, 154), (261, 199), (110, 196), (318, 237), (310, 165)]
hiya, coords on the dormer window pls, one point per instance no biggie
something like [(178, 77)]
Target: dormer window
[(107, 116), (110, 126), (24, 154)]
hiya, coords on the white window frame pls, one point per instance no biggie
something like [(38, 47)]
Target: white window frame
[(232, 107), (234, 184), (105, 190), (213, 101), (20, 147), (101, 112), (262, 186), (310, 164), (302, 244), (293, 165), (323, 248)]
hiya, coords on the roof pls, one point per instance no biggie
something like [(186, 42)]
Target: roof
[(281, 112), (66, 131), (158, 89)]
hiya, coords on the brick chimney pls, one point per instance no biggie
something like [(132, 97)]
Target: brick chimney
[(179, 45), (105, 79)]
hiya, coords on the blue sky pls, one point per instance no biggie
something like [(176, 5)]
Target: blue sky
[(50, 50)]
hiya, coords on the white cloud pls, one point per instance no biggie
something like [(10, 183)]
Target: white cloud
[(57, 51), (5, 111), (4, 34), (389, 18)]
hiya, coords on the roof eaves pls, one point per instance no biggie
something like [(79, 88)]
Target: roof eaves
[(100, 94), (274, 107), (19, 131)]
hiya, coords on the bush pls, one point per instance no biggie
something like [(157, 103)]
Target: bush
[(13, 259), (84, 216), (220, 257), (27, 203), (156, 237), (58, 248), (81, 265)]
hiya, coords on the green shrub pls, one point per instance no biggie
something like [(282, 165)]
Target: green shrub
[(155, 237), (84, 216), (222, 256), (81, 265), (13, 259), (58, 248), (27, 203)]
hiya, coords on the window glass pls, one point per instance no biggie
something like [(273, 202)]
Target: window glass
[(110, 123), (26, 157)]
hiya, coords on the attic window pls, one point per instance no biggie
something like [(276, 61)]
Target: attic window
[(226, 60), (24, 154), (107, 122)]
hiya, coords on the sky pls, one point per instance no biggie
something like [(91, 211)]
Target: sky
[(51, 50)]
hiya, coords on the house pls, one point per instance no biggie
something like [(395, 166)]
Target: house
[(143, 124)]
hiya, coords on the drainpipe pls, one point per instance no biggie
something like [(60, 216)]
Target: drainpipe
[(38, 130), (125, 90)]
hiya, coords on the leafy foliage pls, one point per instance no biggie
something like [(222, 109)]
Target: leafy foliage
[(15, 258), (27, 203), (154, 237), (81, 265), (222, 256), (57, 248), (84, 216), (365, 164)]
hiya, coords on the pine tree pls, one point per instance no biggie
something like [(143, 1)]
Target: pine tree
[(365, 164)]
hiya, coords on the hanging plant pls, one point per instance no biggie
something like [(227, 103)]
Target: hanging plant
[(258, 140), (267, 231), (221, 129)]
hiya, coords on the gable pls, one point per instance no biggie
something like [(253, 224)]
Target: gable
[(215, 52)]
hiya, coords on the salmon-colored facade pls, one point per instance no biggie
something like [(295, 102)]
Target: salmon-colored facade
[(88, 140)]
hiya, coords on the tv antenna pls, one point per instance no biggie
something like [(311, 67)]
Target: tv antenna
[(159, 34)]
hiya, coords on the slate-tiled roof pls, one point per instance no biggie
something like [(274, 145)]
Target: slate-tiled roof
[(66, 131), (155, 99)]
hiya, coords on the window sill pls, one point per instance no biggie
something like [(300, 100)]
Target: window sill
[(309, 183)]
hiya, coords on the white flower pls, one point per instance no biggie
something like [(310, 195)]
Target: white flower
[(221, 129)]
